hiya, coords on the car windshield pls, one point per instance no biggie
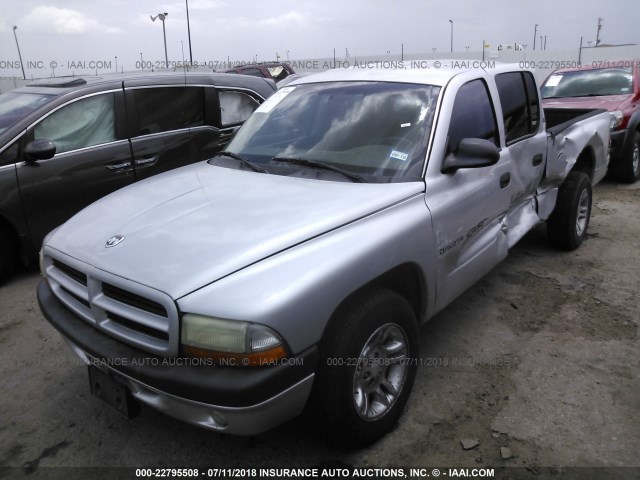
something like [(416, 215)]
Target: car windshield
[(377, 131), (14, 106), (589, 83)]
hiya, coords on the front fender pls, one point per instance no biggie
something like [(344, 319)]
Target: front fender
[(296, 291)]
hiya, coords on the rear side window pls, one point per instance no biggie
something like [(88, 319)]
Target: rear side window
[(84, 123), (472, 115), (519, 100), (252, 71), (532, 98), (235, 107), (168, 108)]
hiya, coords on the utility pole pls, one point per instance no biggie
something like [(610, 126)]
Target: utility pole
[(535, 32), (189, 33), (598, 32), (451, 22), (24, 77), (162, 17)]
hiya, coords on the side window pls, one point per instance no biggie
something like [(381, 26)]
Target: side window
[(168, 108), (519, 100), (235, 107), (472, 115), (532, 98), (84, 123), (10, 155), (252, 71)]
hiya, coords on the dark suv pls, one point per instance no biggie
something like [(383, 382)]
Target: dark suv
[(66, 142), (615, 88)]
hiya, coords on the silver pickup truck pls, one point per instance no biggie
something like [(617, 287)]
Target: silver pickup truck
[(295, 268)]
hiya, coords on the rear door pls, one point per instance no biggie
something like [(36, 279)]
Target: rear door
[(524, 144), (172, 125), (92, 159), (163, 122), (468, 206)]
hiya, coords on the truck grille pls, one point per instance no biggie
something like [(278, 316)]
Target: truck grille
[(135, 314)]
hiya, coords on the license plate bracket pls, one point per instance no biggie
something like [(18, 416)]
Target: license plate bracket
[(112, 392)]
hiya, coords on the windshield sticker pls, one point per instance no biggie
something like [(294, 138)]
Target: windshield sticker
[(553, 81), (405, 125), (275, 99), (399, 155)]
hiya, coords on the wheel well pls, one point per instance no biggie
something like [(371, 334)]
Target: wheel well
[(406, 280), (585, 162), (7, 228)]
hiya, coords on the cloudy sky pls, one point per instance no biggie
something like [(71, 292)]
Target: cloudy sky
[(64, 31)]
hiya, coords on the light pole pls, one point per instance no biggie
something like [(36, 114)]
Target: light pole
[(189, 33), (535, 33), (141, 63), (116, 63), (597, 33), (287, 55), (162, 17), (24, 77), (451, 22)]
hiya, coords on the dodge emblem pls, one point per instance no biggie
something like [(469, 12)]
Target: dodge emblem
[(115, 240)]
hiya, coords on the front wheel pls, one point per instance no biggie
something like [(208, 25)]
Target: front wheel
[(567, 225), (368, 367)]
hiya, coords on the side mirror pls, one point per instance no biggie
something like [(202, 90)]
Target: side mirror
[(39, 150), (472, 153)]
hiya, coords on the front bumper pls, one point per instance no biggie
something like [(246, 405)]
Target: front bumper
[(241, 401)]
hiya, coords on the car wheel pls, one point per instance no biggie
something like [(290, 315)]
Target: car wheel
[(368, 366), (7, 255), (629, 170), (567, 225)]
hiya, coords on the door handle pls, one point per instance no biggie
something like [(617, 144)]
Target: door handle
[(505, 180), (537, 160), (146, 161), (118, 167)]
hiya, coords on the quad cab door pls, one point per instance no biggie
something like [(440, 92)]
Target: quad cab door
[(92, 159), (524, 147), (469, 205)]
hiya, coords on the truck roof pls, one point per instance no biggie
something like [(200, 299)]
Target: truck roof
[(410, 71)]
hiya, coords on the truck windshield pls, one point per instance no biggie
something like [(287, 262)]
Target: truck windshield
[(375, 130), (15, 106), (589, 83)]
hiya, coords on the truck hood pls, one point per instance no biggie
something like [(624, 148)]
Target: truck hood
[(192, 226), (607, 102)]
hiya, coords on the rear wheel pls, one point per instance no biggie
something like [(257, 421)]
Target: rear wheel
[(629, 168), (368, 367), (567, 225)]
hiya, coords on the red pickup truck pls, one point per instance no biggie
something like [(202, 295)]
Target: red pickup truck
[(611, 86)]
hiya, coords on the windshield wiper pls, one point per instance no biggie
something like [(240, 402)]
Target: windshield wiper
[(243, 160), (322, 165)]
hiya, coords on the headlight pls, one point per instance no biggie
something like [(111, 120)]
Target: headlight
[(230, 342), (615, 119)]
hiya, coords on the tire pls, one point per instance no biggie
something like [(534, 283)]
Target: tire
[(7, 255), (368, 366), (567, 225), (629, 166)]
